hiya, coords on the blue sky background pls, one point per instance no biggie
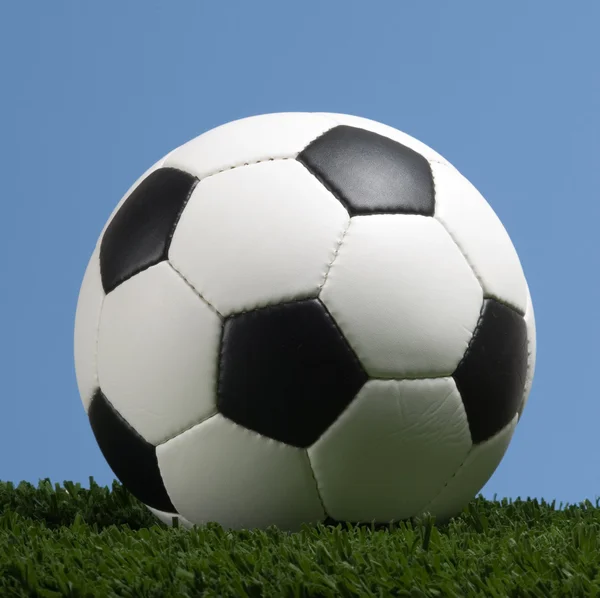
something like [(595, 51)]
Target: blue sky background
[(92, 93)]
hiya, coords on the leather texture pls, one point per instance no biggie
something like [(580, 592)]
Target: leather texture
[(253, 349), (85, 338), (370, 173), (140, 233), (531, 351), (139, 470), (404, 296), (287, 372), (219, 471), (158, 348), (381, 459), (390, 132), (480, 463), (494, 366), (258, 235), (478, 232), (248, 140), (89, 305)]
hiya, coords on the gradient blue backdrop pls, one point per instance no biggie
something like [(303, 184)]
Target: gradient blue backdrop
[(91, 94)]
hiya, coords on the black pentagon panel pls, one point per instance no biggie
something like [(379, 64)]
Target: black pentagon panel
[(132, 459), (491, 375), (370, 173), (286, 371), (140, 233)]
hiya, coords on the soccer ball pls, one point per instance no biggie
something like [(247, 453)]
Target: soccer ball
[(303, 316)]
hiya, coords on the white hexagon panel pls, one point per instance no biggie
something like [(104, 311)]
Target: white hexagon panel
[(296, 317)]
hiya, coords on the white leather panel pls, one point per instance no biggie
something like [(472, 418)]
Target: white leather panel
[(472, 476), (404, 296), (89, 304), (249, 140), (158, 350), (219, 471), (87, 317), (482, 238), (258, 235), (391, 450)]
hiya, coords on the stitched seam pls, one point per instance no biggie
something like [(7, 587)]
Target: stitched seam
[(249, 162), (240, 165), (505, 303), (447, 483), (428, 504), (464, 253), (334, 124), (220, 356), (97, 342), (443, 225), (217, 371), (121, 417), (227, 169), (335, 255), (334, 325), (179, 214), (330, 117), (529, 360), (330, 319), (170, 437), (471, 340), (354, 357), (278, 302), (193, 288), (486, 295), (529, 376), (262, 438), (99, 386), (187, 428), (215, 411), (140, 437), (412, 377), (311, 169), (314, 477), (529, 343)]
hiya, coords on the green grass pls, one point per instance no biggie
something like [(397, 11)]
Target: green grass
[(102, 542)]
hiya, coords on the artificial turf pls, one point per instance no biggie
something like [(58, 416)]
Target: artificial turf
[(72, 541)]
